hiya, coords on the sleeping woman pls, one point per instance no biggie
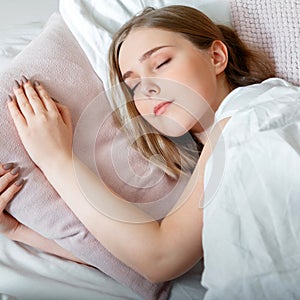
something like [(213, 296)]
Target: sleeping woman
[(178, 73)]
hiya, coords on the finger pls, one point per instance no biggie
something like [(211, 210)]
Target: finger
[(22, 100), (9, 193), (47, 100), (16, 114), (65, 114), (5, 168), (33, 97), (7, 178)]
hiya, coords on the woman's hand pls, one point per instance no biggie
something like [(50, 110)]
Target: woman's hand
[(9, 187), (45, 127)]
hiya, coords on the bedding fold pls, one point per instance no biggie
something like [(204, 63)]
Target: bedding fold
[(251, 227)]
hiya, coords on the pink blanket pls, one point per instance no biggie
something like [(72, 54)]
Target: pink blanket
[(274, 27)]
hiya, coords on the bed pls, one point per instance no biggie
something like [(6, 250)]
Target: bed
[(27, 273)]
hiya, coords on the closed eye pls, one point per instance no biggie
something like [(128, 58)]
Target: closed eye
[(165, 62)]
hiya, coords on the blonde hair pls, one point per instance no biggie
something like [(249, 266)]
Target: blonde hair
[(245, 66)]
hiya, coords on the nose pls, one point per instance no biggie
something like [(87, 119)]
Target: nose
[(149, 88)]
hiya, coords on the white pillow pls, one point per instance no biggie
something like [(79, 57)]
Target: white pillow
[(93, 23)]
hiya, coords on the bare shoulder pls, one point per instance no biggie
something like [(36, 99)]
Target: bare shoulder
[(222, 123), (218, 128)]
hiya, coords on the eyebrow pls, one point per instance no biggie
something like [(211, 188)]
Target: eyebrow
[(145, 56)]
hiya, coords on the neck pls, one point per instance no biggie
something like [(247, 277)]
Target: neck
[(201, 131), (223, 89)]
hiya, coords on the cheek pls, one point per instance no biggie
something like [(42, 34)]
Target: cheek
[(143, 106)]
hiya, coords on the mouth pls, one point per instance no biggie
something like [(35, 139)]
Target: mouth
[(160, 108)]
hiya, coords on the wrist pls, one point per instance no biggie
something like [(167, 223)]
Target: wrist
[(58, 163), (60, 174)]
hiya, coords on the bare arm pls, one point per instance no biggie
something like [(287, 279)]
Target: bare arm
[(159, 251), (27, 236)]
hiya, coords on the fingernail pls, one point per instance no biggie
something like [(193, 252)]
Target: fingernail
[(24, 79), (36, 83), (19, 182), (7, 166), (15, 170), (16, 85)]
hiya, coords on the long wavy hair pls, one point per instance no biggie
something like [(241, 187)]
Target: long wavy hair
[(245, 66)]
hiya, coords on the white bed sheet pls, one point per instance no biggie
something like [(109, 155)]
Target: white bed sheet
[(20, 22)]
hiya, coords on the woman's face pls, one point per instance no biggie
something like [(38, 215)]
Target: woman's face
[(174, 85)]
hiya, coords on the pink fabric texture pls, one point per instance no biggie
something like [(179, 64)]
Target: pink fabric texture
[(57, 61), (274, 27)]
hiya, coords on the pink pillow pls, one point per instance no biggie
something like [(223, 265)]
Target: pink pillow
[(273, 27), (56, 60)]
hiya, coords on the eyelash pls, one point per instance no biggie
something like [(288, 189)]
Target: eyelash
[(165, 62), (131, 90)]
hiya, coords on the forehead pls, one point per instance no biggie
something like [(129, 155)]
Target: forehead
[(141, 40)]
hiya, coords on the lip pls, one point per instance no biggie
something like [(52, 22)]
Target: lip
[(160, 108)]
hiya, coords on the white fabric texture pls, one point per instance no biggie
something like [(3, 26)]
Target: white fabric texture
[(10, 42), (251, 225), (93, 23), (20, 22)]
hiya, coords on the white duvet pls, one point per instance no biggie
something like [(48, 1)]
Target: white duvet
[(251, 232)]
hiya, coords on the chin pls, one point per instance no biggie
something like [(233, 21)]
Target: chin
[(174, 132), (170, 127)]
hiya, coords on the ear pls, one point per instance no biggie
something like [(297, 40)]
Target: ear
[(219, 55)]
